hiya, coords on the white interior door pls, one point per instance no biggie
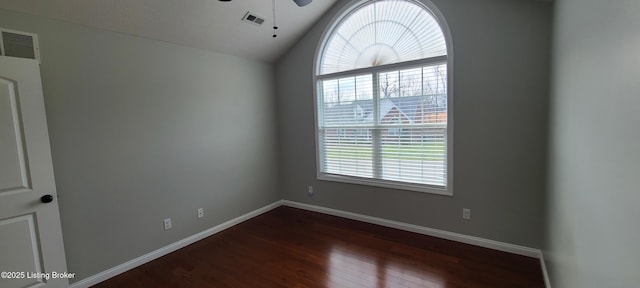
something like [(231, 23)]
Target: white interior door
[(31, 247)]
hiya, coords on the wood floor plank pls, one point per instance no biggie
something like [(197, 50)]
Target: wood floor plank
[(289, 247)]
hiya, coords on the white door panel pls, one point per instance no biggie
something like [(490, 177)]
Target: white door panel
[(13, 166), (20, 245), (31, 247)]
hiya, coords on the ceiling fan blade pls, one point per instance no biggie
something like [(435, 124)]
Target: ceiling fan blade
[(302, 2)]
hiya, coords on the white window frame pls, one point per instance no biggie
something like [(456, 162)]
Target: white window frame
[(345, 12)]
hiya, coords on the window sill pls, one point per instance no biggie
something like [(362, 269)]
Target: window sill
[(385, 184)]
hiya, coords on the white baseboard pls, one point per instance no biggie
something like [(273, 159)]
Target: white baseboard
[(97, 278), (545, 274), (477, 241)]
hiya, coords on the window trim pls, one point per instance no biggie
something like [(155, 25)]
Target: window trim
[(316, 77)]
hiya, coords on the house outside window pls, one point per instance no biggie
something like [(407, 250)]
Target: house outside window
[(383, 113)]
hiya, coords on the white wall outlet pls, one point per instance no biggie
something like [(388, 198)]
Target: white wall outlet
[(167, 224), (310, 191), (200, 212), (466, 213)]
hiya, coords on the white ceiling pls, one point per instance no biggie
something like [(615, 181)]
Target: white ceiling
[(205, 24)]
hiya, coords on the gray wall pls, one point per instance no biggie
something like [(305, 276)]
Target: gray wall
[(593, 232), (144, 130), (501, 51)]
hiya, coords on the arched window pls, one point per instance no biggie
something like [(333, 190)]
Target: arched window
[(383, 75)]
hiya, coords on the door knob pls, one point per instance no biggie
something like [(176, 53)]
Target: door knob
[(46, 198)]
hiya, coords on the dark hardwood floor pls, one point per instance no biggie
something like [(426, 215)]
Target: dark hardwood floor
[(288, 247)]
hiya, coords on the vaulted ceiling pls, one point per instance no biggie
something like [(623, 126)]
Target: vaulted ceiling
[(206, 24)]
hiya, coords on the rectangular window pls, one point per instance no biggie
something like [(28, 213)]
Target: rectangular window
[(385, 128)]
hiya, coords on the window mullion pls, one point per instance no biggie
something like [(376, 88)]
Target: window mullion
[(376, 133)]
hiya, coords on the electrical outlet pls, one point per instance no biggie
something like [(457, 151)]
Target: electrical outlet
[(310, 191), (466, 213), (200, 212), (167, 224)]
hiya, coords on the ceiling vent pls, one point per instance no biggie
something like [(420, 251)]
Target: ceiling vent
[(253, 18), (19, 44)]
